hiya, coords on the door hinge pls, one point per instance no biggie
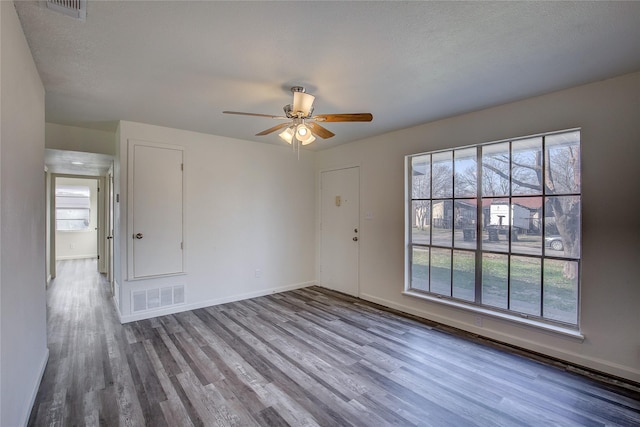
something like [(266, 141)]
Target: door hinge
[(182, 166), (98, 256), (181, 245)]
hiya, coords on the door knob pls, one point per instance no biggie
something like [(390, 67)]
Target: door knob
[(355, 239), (355, 230), (138, 236)]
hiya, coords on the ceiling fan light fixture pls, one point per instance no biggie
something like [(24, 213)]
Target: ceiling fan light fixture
[(302, 103), (309, 140), (296, 130), (302, 131), (287, 134), (304, 135)]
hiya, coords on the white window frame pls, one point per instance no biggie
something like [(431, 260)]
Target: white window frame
[(476, 305), (73, 199)]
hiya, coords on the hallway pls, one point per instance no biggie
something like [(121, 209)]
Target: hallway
[(83, 330)]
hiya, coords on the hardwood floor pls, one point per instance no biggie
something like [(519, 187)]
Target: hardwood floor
[(301, 358)]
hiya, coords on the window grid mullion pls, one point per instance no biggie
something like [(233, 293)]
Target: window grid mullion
[(479, 247), (478, 272), (430, 217), (510, 227), (543, 165), (453, 219)]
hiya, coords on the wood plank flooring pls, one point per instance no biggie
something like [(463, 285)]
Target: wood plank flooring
[(309, 357)]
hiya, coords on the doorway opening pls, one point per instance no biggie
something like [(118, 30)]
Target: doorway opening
[(80, 221)]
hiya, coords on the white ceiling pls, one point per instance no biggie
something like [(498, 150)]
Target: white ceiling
[(180, 64)]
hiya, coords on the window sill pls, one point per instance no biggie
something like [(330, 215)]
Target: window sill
[(567, 332)]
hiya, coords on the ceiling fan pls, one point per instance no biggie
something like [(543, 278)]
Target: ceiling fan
[(301, 127)]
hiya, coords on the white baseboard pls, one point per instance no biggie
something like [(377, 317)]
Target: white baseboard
[(597, 364), (209, 303), (117, 305), (34, 394)]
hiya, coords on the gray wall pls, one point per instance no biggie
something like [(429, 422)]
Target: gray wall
[(608, 113), (247, 206), (23, 343), (71, 138)]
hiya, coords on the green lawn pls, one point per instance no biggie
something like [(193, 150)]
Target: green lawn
[(557, 292)]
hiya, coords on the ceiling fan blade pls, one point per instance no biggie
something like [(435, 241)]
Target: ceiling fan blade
[(320, 131), (273, 129), (254, 114), (355, 117)]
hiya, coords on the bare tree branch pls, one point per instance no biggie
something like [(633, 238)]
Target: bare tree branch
[(514, 180)]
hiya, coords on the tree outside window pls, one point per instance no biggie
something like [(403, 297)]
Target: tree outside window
[(498, 225)]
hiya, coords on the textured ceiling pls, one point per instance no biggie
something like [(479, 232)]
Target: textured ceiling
[(180, 64)]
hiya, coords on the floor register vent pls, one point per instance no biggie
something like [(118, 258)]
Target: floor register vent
[(73, 8), (151, 299)]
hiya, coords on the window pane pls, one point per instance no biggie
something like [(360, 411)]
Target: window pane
[(466, 172), (464, 275), (563, 163), (561, 291), (526, 236), (442, 214), (524, 201), (73, 191), (421, 177), (68, 202), (526, 171), (494, 280), (465, 213), (495, 169), (495, 234), (72, 219), (72, 225), (420, 269), (442, 180), (421, 222), (441, 271), (525, 288), (73, 214), (562, 226), (73, 205)]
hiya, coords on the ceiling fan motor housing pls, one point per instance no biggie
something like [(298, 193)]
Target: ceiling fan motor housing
[(302, 102), (288, 111)]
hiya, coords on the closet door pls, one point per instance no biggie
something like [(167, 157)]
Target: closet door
[(156, 210)]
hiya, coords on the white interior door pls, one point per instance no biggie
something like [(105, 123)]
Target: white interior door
[(102, 230), (339, 229), (110, 208), (156, 202)]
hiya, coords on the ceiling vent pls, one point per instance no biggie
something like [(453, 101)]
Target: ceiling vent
[(74, 8)]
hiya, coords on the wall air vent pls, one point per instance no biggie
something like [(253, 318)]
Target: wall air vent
[(74, 8), (155, 298)]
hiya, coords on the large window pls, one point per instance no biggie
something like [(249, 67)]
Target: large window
[(73, 207), (497, 225)]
